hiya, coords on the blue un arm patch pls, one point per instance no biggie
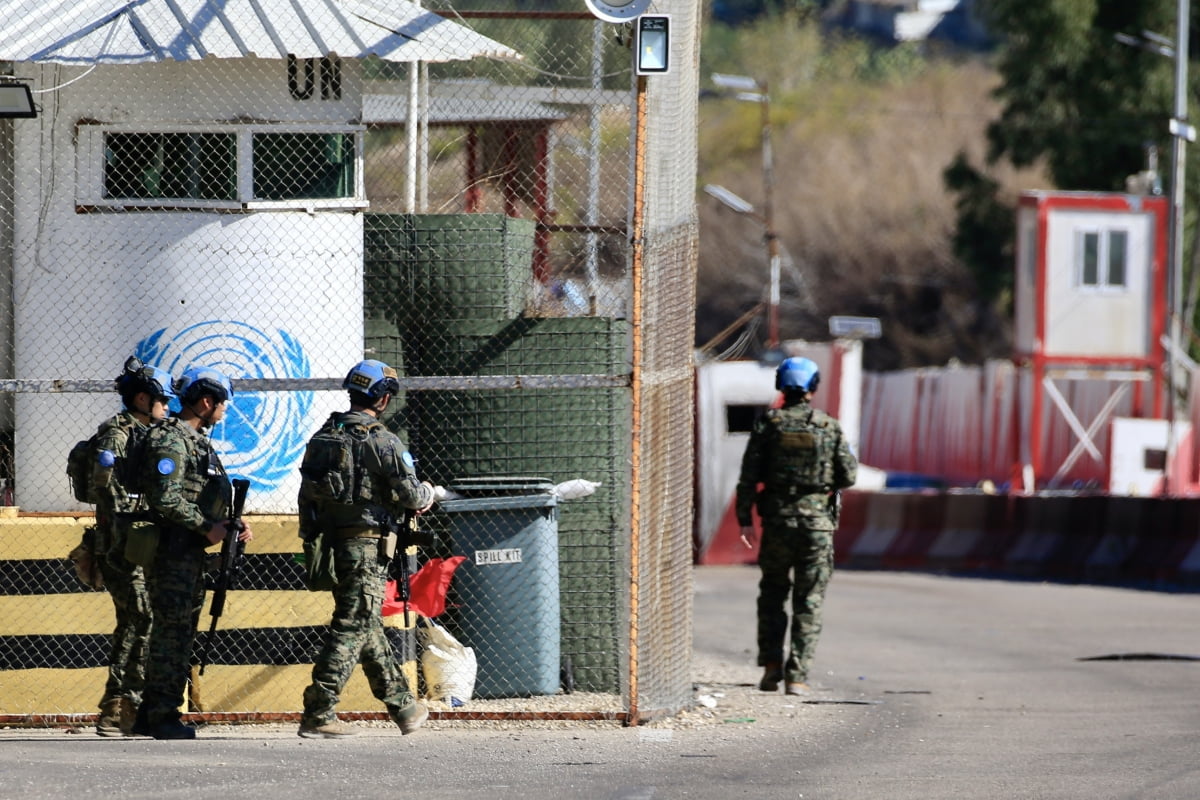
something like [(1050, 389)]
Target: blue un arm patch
[(166, 466)]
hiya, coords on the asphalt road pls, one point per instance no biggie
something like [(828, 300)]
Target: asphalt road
[(927, 687)]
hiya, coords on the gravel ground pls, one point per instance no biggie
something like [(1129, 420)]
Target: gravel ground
[(723, 693)]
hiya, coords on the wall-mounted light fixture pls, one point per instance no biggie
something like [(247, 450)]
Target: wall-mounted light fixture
[(653, 44), (16, 101)]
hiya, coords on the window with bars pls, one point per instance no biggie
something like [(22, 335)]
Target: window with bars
[(233, 168), (293, 166), (141, 166)]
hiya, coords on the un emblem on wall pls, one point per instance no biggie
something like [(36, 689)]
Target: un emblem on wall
[(262, 435)]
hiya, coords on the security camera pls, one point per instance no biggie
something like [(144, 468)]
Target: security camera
[(617, 10)]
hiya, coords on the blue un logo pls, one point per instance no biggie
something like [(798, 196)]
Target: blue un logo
[(262, 436)]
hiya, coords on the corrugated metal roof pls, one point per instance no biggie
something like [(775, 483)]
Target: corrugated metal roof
[(461, 102), (140, 31), (464, 100)]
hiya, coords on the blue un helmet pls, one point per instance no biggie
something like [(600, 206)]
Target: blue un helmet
[(196, 382), (137, 377), (797, 373), (372, 378)]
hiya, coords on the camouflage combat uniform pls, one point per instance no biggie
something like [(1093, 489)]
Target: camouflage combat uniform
[(800, 456), (125, 581), (188, 492), (388, 478)]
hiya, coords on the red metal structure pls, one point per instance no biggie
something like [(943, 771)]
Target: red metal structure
[(1090, 306)]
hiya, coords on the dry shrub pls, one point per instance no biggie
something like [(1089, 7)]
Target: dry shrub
[(861, 208)]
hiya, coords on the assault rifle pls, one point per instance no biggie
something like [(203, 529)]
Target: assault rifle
[(407, 535), (231, 563)]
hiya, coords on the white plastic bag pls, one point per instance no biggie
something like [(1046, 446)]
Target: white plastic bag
[(449, 667), (441, 493), (574, 489)]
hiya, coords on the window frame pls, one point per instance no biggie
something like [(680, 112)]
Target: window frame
[(1104, 250), (90, 169)]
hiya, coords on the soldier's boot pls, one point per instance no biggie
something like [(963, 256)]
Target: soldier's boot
[(128, 716), (334, 729), (410, 718), (141, 723), (772, 675), (172, 729), (109, 722)]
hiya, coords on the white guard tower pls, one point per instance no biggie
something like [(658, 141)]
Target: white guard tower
[(1090, 316)]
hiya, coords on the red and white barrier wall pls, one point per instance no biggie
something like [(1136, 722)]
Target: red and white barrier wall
[(957, 424), (1086, 538)]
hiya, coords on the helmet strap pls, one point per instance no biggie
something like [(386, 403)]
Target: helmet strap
[(205, 419), (142, 399)]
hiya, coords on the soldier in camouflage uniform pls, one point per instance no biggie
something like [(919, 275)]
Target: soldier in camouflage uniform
[(800, 457), (188, 494), (145, 393), (349, 498)]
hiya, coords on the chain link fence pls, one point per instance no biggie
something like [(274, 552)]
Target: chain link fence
[(238, 185)]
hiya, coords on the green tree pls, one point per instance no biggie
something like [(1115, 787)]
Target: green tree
[(986, 226), (1075, 95), (1073, 98)]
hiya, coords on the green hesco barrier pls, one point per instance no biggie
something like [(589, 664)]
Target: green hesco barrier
[(561, 434), (427, 268), (444, 296), (382, 340), (523, 346)]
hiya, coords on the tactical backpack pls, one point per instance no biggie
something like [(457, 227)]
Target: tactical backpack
[(79, 470), (84, 456), (331, 474), (802, 455), (330, 471)]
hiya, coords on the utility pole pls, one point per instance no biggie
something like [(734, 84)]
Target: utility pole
[(768, 165), (1181, 133), (755, 91)]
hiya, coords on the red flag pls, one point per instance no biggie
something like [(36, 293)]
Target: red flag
[(427, 588)]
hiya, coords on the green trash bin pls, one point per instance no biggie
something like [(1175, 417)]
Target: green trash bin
[(507, 589)]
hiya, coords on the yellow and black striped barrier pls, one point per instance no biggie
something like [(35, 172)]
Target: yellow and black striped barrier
[(54, 633)]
